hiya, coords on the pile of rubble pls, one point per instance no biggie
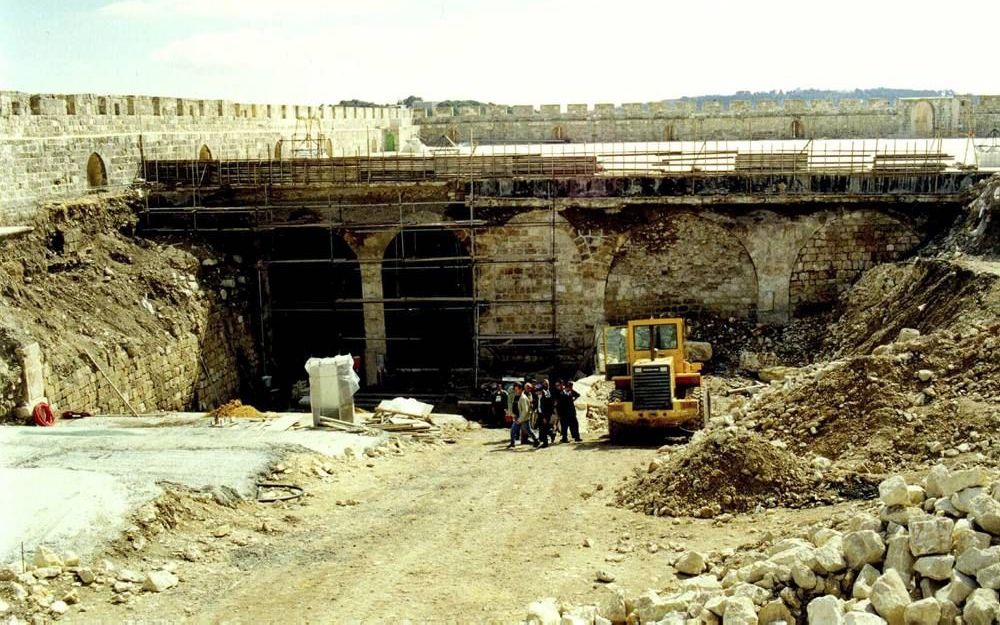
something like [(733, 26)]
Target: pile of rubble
[(929, 556), (53, 584), (795, 343), (977, 230), (728, 470), (592, 405), (235, 409), (917, 398)]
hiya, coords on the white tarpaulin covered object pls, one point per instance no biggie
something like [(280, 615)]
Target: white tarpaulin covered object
[(332, 384), (406, 406)]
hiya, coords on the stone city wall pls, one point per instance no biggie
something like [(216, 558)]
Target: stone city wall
[(741, 120), (58, 146)]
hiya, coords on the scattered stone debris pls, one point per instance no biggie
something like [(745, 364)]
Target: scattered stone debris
[(921, 560)]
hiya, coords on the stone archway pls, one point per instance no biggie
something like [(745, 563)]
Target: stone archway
[(923, 120), (680, 265), (840, 251), (97, 173), (798, 129), (204, 154)]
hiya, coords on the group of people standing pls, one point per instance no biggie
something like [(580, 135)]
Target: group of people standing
[(530, 407)]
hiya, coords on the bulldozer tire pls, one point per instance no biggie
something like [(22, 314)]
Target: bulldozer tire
[(616, 432)]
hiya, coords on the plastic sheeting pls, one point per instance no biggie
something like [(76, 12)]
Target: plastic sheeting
[(406, 406), (332, 385)]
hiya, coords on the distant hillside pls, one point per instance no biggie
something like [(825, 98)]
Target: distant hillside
[(823, 94)]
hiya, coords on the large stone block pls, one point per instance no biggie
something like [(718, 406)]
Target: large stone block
[(935, 567), (825, 610), (890, 598), (893, 491), (923, 612), (986, 511), (931, 536), (981, 607), (864, 547)]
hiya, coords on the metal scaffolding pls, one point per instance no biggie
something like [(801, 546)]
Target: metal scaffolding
[(463, 221)]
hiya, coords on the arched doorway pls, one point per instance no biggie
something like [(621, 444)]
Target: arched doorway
[(277, 150), (97, 174), (314, 287), (429, 309), (923, 120), (204, 154), (328, 148), (558, 134), (798, 129), (668, 133)]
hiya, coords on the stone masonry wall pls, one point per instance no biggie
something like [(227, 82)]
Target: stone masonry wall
[(46, 141), (682, 265), (188, 372), (841, 250), (682, 121), (618, 264)]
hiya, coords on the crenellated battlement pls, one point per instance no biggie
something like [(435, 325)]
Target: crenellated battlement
[(60, 145), (688, 120), (669, 108), (984, 103), (17, 103)]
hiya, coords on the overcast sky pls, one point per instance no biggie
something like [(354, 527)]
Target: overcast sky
[(510, 51)]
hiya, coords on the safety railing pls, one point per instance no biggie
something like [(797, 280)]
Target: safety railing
[(878, 157)]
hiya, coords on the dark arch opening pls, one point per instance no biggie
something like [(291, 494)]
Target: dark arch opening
[(798, 129), (429, 312), (204, 154), (314, 284), (97, 174)]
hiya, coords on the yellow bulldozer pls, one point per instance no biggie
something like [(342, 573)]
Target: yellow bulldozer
[(656, 387)]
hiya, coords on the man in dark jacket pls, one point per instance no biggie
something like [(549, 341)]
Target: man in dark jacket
[(498, 405), (546, 408), (566, 408)]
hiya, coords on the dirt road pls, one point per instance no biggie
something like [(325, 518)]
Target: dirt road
[(470, 532)]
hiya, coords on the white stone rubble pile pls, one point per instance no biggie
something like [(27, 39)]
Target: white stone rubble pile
[(51, 585), (930, 557)]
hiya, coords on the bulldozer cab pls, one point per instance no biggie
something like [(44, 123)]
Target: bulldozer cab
[(655, 386), (646, 339)]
